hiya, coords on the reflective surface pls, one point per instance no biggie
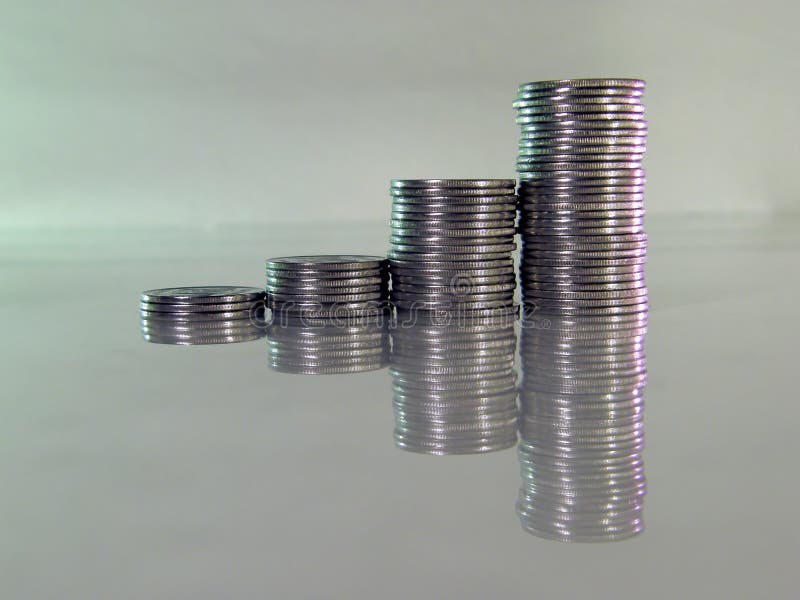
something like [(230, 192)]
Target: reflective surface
[(134, 470)]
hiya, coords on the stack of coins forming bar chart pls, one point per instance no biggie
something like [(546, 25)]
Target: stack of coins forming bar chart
[(582, 195), (451, 245)]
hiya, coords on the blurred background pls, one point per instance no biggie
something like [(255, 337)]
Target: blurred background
[(198, 113)]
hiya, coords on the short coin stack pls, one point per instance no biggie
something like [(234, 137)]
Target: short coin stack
[(581, 195), (327, 286), (582, 430), (328, 348), (451, 244), (202, 315), (454, 386)]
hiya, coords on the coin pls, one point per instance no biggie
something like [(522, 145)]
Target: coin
[(203, 295), (452, 183), (325, 262)]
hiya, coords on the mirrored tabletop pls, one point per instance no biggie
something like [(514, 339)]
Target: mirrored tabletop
[(616, 456)]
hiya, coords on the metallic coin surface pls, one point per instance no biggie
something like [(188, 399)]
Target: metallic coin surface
[(203, 295), (327, 262)]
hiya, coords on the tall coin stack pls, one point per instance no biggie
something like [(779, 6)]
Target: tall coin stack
[(327, 286), (582, 430), (189, 316), (325, 348), (454, 386), (581, 195), (451, 244)]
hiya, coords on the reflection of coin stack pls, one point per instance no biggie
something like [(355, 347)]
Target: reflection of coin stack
[(582, 427), (327, 286), (328, 347), (451, 245), (454, 386), (189, 316)]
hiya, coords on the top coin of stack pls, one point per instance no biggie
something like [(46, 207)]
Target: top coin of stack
[(202, 315), (581, 195), (451, 244), (327, 286)]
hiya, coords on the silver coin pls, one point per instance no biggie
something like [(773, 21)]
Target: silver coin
[(492, 233), (454, 245), (570, 84), (570, 229), (272, 290), (613, 159), (470, 290), (452, 183), (593, 295), (543, 284), (326, 262), (199, 316), (330, 310), (588, 210), (578, 309), (484, 196), (450, 200), (456, 219), (587, 263), (635, 135), (542, 243), (538, 183), (457, 279), (324, 283), (430, 243), (455, 283), (203, 295), (588, 120), (200, 341), (583, 190), (586, 92), (199, 327), (577, 241), (412, 262), (312, 298), (584, 144), (326, 370), (196, 308), (453, 210), (537, 254), (570, 106), (557, 100)]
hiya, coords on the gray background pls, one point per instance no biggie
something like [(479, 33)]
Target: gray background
[(203, 113)]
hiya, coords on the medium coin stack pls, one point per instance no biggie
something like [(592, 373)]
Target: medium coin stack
[(581, 195), (582, 430), (202, 315), (328, 347), (327, 286), (454, 386), (451, 244)]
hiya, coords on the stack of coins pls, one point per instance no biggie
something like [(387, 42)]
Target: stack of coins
[(454, 386), (451, 244), (328, 347), (327, 286), (582, 430), (202, 315), (581, 195)]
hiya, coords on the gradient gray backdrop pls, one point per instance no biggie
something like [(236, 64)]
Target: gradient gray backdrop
[(207, 113)]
